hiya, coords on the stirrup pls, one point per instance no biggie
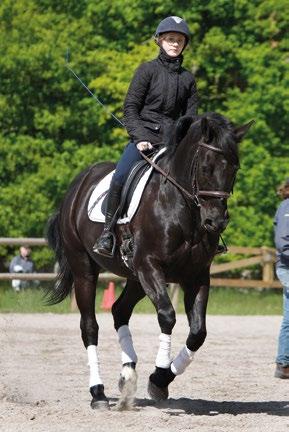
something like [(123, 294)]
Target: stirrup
[(105, 252)]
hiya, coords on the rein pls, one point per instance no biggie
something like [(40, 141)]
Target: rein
[(171, 179), (193, 197)]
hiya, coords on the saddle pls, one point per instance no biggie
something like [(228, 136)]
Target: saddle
[(129, 187), (131, 193)]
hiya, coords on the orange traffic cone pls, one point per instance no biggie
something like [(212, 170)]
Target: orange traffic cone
[(108, 296)]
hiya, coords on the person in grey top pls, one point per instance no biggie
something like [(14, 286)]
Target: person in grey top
[(21, 264), (281, 226)]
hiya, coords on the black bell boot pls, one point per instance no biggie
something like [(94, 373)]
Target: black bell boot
[(105, 245)]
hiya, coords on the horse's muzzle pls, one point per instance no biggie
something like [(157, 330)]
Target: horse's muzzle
[(215, 227)]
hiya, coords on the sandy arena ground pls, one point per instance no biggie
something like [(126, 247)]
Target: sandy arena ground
[(228, 387)]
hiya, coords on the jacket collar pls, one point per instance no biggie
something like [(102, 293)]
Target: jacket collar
[(172, 63)]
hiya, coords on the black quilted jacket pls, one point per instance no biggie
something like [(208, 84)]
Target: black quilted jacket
[(160, 92)]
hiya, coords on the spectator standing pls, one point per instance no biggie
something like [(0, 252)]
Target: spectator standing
[(21, 264), (281, 225)]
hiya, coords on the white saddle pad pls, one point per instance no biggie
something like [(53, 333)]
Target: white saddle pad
[(99, 193)]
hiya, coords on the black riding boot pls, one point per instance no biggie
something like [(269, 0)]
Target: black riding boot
[(105, 245)]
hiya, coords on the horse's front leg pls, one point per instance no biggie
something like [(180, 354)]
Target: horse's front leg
[(153, 282), (195, 298)]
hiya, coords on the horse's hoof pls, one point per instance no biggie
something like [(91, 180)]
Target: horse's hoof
[(157, 393), (127, 385), (126, 374), (99, 400), (99, 404), (159, 380)]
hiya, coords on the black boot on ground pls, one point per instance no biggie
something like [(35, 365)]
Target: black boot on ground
[(105, 245)]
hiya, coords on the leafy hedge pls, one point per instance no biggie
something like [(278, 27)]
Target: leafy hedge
[(51, 129)]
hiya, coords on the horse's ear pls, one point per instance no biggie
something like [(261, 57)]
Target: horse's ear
[(207, 130), (241, 131), (182, 127)]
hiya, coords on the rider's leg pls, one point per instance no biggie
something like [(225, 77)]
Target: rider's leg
[(105, 244)]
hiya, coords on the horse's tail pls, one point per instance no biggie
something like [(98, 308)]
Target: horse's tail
[(63, 284)]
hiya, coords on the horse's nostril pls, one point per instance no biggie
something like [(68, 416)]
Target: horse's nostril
[(209, 225), (208, 222)]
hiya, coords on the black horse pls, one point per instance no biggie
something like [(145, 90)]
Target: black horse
[(176, 232)]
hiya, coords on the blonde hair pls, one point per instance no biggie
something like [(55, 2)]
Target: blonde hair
[(158, 38)]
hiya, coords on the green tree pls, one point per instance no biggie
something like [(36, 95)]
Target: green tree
[(51, 128)]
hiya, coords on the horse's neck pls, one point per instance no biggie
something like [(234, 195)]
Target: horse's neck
[(178, 167), (180, 163)]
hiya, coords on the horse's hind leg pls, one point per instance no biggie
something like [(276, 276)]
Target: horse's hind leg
[(122, 310), (85, 287)]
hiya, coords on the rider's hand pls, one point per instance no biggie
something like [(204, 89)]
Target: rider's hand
[(144, 145)]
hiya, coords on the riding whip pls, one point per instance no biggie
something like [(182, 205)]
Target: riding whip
[(88, 90)]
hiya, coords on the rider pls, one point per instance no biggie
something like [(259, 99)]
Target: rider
[(160, 92)]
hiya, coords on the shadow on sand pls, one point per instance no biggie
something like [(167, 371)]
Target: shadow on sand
[(203, 407)]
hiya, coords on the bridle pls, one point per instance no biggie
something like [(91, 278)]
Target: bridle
[(197, 193)]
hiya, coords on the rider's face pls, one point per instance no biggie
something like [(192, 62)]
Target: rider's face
[(172, 43)]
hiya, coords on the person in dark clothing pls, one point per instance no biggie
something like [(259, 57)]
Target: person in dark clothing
[(21, 263), (281, 225), (160, 92)]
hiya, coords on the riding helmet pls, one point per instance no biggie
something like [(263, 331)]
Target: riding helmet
[(173, 24)]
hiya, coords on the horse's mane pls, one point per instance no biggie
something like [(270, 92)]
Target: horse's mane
[(222, 129)]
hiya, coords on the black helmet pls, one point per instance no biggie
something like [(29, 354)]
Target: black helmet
[(173, 24)]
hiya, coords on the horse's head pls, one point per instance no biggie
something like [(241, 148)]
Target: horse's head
[(213, 145)]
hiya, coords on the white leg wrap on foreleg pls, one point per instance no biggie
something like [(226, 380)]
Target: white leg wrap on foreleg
[(93, 363), (128, 354), (163, 359), (182, 361)]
